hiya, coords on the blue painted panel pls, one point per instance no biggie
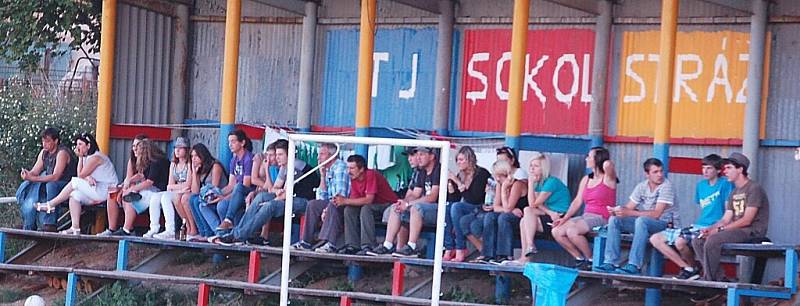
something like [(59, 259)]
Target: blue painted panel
[(398, 100)]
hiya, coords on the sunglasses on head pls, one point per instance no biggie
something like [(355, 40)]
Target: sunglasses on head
[(506, 150)]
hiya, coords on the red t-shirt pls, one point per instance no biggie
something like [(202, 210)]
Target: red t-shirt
[(372, 182)]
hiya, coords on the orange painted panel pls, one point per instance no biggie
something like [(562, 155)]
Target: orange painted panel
[(709, 90)]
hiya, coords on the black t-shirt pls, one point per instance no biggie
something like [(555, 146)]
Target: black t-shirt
[(426, 181), (158, 172), (305, 188), (475, 192)]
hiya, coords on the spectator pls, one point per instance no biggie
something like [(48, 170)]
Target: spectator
[(335, 182), (95, 175), (271, 205), (746, 218), (115, 196), (470, 186), (370, 194), (504, 215), (265, 172), (710, 195), (598, 191), (154, 167), (424, 190), (230, 207), (651, 207), (208, 177), (54, 168), (549, 200), (176, 195)]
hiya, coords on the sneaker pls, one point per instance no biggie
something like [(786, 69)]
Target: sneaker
[(165, 235), (326, 248), (363, 251), (381, 250), (629, 269), (196, 238), (605, 268), (225, 225), (348, 250), (583, 265), (302, 246), (407, 251), (150, 233), (688, 275), (71, 231), (498, 260), (514, 263), (227, 240), (121, 232), (105, 233), (257, 241)]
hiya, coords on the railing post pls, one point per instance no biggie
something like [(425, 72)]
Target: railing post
[(345, 301), (733, 297), (202, 294), (791, 270), (72, 289), (598, 249), (354, 273), (254, 268), (502, 288), (398, 271), (2, 247), (122, 255), (652, 296)]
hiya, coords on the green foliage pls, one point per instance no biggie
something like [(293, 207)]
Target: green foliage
[(29, 28), (121, 294), (458, 294), (10, 295)]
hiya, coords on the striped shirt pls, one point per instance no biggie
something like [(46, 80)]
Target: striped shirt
[(337, 181)]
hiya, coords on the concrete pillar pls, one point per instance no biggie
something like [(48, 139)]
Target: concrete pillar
[(444, 59), (306, 85), (602, 36), (755, 76)]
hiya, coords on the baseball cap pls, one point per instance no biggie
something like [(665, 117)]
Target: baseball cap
[(181, 142), (423, 149), (408, 151), (739, 159)]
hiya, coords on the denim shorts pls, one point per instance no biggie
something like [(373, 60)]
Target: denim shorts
[(428, 211), (148, 195), (687, 233)]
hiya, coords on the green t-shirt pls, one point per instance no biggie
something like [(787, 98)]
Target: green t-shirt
[(559, 194)]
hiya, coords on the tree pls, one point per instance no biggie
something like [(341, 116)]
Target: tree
[(29, 29)]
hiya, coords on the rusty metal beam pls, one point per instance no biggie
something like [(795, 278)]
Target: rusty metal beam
[(425, 5), (589, 6), (739, 5), (293, 6)]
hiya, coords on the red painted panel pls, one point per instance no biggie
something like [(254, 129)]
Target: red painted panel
[(557, 86), (676, 141), (398, 271), (254, 267), (124, 131), (685, 165), (202, 295), (345, 301)]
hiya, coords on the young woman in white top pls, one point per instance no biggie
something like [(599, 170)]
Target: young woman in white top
[(95, 174), (177, 193)]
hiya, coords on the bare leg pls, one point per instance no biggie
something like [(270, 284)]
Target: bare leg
[(392, 226), (112, 209), (75, 212), (476, 242), (415, 224), (402, 236), (660, 242), (560, 235), (686, 252), (576, 235), (62, 196), (191, 227), (130, 216)]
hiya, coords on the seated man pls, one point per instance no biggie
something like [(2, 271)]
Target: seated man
[(271, 205), (54, 168), (424, 191), (229, 208), (746, 218), (652, 205), (710, 195), (370, 194), (335, 182)]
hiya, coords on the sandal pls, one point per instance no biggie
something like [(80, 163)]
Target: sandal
[(71, 231), (480, 259), (531, 252)]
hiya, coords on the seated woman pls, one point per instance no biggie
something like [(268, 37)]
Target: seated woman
[(499, 223), (177, 192), (154, 167), (599, 191), (549, 200), (116, 192), (207, 178), (469, 184), (95, 174)]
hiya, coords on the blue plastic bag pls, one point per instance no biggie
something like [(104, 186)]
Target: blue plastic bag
[(550, 283)]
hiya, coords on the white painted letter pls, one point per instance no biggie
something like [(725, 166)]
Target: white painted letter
[(573, 90), (585, 96), (636, 78), (681, 78), (720, 78), (409, 93), (741, 97), (498, 82), (529, 74), (481, 94), (377, 58)]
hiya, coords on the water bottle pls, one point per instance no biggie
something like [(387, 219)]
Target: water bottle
[(671, 223), (182, 232), (490, 185)]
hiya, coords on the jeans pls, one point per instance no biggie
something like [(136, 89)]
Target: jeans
[(259, 214), (231, 208), (498, 234), (202, 225), (429, 214), (641, 227), (29, 193), (331, 229), (458, 212)]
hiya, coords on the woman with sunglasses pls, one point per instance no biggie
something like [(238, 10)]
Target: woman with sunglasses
[(95, 175)]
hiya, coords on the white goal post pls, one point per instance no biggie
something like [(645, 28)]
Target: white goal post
[(444, 157)]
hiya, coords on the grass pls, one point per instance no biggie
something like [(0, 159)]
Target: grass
[(11, 295)]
